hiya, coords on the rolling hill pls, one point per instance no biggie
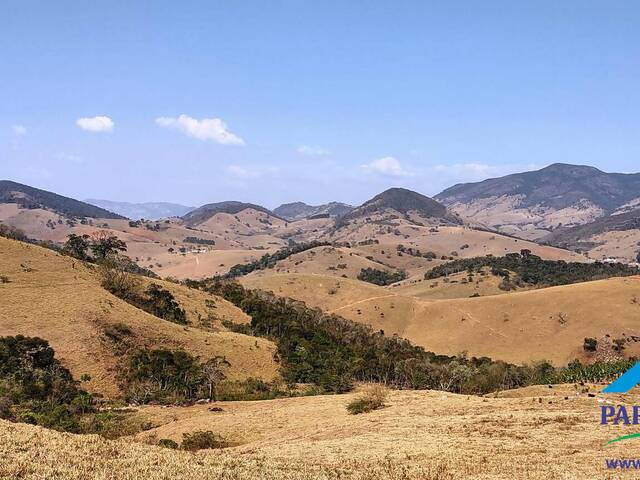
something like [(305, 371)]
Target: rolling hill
[(535, 432), (205, 212), (401, 201), (521, 327), (60, 299), (300, 210), (32, 198), (613, 236)]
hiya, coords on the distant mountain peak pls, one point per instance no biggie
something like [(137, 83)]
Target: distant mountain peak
[(232, 207), (300, 210), (403, 201), (146, 210)]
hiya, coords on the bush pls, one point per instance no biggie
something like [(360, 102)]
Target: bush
[(168, 443), (270, 260), (590, 345), (36, 388), (161, 303), (372, 399), (380, 277), (121, 283), (154, 300), (200, 440), (532, 270)]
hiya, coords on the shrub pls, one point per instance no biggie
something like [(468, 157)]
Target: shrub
[(380, 277), (372, 399), (117, 332), (270, 260), (590, 344), (168, 443), (200, 440), (154, 300), (161, 303), (163, 375), (36, 388), (121, 283)]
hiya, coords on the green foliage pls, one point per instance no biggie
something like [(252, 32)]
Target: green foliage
[(332, 352), (270, 260), (200, 440), (104, 245), (163, 376), (166, 376), (532, 270), (36, 388), (381, 277), (200, 241), (577, 372), (77, 246), (161, 303), (168, 443), (154, 300)]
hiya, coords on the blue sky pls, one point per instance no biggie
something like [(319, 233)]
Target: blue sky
[(279, 101)]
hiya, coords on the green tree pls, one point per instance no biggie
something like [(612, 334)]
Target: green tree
[(104, 245), (77, 246)]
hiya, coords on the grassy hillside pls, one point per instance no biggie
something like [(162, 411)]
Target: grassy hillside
[(536, 432), (524, 326), (60, 299)]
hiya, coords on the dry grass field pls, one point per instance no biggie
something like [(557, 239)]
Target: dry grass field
[(533, 433), (60, 299), (526, 326)]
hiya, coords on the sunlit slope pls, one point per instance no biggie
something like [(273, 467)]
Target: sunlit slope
[(526, 326), (549, 323), (540, 433), (59, 299)]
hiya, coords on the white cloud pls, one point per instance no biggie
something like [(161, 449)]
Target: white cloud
[(388, 166), (206, 129), (95, 124), (313, 151), (19, 130)]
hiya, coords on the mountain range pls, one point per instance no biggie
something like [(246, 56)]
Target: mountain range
[(300, 210), (533, 204), (147, 210)]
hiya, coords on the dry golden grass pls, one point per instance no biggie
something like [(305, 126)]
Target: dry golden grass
[(537, 433), (61, 300), (519, 327)]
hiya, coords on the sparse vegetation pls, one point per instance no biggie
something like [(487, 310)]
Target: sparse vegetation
[(199, 241), (201, 440), (381, 277), (590, 344), (154, 299), (372, 398), (532, 270), (270, 260)]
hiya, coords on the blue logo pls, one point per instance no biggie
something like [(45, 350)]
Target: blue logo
[(626, 381)]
